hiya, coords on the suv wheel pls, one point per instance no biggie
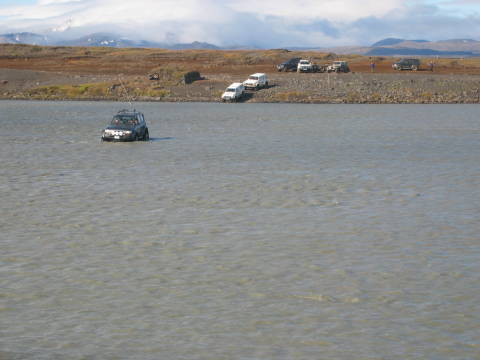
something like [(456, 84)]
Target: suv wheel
[(146, 136)]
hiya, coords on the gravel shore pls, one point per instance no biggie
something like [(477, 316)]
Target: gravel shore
[(395, 88), (355, 87)]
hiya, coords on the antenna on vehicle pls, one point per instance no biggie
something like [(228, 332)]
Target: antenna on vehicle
[(126, 92)]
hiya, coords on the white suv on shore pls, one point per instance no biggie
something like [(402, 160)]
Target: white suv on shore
[(256, 81), (234, 92), (338, 66), (304, 66)]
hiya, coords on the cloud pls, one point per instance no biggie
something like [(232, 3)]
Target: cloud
[(334, 10), (266, 23)]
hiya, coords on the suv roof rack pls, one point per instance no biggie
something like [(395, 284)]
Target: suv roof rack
[(126, 111)]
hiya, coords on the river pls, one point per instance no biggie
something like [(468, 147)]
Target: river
[(240, 231)]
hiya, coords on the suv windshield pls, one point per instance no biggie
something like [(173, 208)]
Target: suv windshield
[(253, 77), (230, 90), (304, 62), (124, 120)]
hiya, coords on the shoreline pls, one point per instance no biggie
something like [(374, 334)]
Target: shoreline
[(319, 88), (169, 101)]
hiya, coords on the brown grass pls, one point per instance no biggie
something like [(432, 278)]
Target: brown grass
[(133, 61)]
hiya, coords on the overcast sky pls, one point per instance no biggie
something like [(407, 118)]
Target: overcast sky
[(261, 23)]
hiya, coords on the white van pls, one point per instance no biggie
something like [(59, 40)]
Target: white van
[(256, 81), (233, 92)]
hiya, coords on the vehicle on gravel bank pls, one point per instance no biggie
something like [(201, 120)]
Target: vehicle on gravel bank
[(407, 64), (126, 125), (289, 65), (338, 66), (234, 92), (256, 81), (308, 66)]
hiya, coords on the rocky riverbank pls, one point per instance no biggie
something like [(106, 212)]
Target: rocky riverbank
[(399, 88), (355, 87)]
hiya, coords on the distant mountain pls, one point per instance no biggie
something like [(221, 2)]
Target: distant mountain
[(402, 47), (106, 40), (394, 41), (454, 47), (194, 45), (384, 51), (24, 38), (388, 42), (99, 39), (385, 47), (458, 41), (112, 40)]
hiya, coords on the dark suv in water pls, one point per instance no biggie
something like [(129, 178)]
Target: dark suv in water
[(289, 65), (126, 126)]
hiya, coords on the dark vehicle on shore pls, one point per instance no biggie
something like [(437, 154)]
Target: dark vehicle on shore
[(407, 64), (126, 125), (289, 65)]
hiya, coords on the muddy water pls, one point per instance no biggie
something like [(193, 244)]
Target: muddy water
[(240, 231)]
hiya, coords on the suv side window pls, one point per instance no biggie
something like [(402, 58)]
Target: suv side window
[(139, 119)]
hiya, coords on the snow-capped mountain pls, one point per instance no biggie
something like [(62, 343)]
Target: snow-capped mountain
[(98, 39), (24, 38), (385, 47)]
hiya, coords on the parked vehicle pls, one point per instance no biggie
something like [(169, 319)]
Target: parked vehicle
[(308, 66), (338, 66), (126, 125), (256, 81), (407, 64), (289, 65), (305, 66), (234, 92)]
